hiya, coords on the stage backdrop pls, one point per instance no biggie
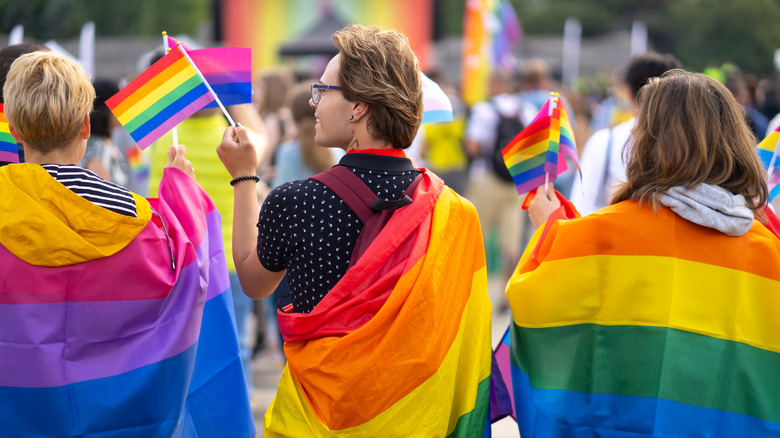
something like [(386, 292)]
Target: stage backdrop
[(264, 25)]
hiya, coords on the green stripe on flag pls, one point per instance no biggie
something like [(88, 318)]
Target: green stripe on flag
[(528, 164), (645, 361), (472, 424), (163, 103)]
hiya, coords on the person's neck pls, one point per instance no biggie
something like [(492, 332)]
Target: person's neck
[(365, 142), (63, 155)]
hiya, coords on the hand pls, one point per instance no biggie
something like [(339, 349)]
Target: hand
[(177, 158), (237, 152), (543, 205)]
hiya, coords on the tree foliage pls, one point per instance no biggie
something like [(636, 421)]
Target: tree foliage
[(62, 19), (699, 32)]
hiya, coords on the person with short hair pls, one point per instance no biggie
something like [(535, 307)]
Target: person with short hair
[(102, 292), (388, 330), (656, 316)]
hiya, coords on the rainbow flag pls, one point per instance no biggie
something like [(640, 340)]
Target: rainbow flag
[(401, 345), (169, 91), (9, 151), (668, 329), (227, 69), (540, 149), (436, 105), (122, 330)]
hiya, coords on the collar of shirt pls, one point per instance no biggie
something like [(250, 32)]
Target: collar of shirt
[(369, 159), (393, 152)]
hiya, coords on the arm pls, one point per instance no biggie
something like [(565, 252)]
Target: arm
[(239, 156)]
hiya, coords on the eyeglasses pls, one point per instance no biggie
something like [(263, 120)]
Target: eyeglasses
[(318, 89)]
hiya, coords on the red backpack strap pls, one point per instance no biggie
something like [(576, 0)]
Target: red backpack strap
[(372, 211)]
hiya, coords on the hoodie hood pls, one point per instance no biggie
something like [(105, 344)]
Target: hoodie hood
[(710, 206), (45, 224)]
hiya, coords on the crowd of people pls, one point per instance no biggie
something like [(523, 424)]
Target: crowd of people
[(330, 231)]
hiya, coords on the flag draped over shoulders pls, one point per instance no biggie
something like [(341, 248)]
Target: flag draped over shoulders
[(113, 325), (631, 322), (401, 345)]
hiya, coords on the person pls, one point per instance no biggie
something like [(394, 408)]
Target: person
[(602, 163), (388, 333), (8, 55), (102, 293), (101, 156), (670, 292), (272, 86)]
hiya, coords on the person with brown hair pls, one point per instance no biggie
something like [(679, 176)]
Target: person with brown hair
[(388, 330), (669, 324)]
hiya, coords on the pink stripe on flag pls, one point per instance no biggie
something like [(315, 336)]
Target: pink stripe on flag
[(158, 132)]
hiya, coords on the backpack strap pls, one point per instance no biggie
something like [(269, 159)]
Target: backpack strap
[(370, 209)]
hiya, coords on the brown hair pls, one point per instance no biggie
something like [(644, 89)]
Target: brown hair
[(315, 157), (690, 130), (274, 83), (47, 97), (379, 68)]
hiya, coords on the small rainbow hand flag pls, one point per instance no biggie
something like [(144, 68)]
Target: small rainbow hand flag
[(9, 151), (769, 152), (169, 91), (537, 153)]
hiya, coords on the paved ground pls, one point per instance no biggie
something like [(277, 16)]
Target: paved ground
[(268, 369)]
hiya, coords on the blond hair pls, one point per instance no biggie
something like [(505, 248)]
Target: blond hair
[(690, 130), (379, 68), (47, 96)]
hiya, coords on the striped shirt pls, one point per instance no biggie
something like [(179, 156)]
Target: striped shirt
[(91, 187)]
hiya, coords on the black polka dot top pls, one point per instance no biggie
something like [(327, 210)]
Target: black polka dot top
[(307, 229)]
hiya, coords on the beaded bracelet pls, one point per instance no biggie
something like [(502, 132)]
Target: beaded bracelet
[(245, 178)]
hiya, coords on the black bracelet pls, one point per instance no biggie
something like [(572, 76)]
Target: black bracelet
[(245, 178)]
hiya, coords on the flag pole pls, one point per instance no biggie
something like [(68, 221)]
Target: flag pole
[(186, 55), (174, 132), (550, 107)]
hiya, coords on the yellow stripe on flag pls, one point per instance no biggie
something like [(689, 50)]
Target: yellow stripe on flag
[(152, 95)]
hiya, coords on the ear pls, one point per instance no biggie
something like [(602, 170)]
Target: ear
[(359, 110), (85, 128), (14, 134)]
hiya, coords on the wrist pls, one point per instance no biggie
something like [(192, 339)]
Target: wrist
[(239, 179)]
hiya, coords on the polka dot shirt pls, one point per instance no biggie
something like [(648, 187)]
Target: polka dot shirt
[(305, 228)]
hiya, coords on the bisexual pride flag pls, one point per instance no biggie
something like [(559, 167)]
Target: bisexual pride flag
[(9, 151), (113, 325), (228, 70), (537, 154), (166, 93)]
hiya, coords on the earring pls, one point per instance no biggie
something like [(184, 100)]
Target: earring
[(352, 117)]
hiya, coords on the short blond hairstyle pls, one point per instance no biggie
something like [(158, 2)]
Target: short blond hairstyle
[(47, 97), (379, 68)]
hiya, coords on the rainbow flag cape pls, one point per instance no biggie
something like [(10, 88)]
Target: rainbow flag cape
[(693, 351), (541, 147), (166, 93), (769, 152), (401, 345), (113, 325), (227, 69), (9, 151), (436, 105)]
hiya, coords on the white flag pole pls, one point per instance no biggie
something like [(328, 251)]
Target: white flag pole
[(174, 132)]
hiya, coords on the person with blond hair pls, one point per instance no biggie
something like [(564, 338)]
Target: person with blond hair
[(388, 331), (656, 316), (102, 292)]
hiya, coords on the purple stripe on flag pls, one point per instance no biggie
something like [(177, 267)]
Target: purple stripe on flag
[(527, 186), (158, 132), (230, 76), (104, 338), (11, 157)]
